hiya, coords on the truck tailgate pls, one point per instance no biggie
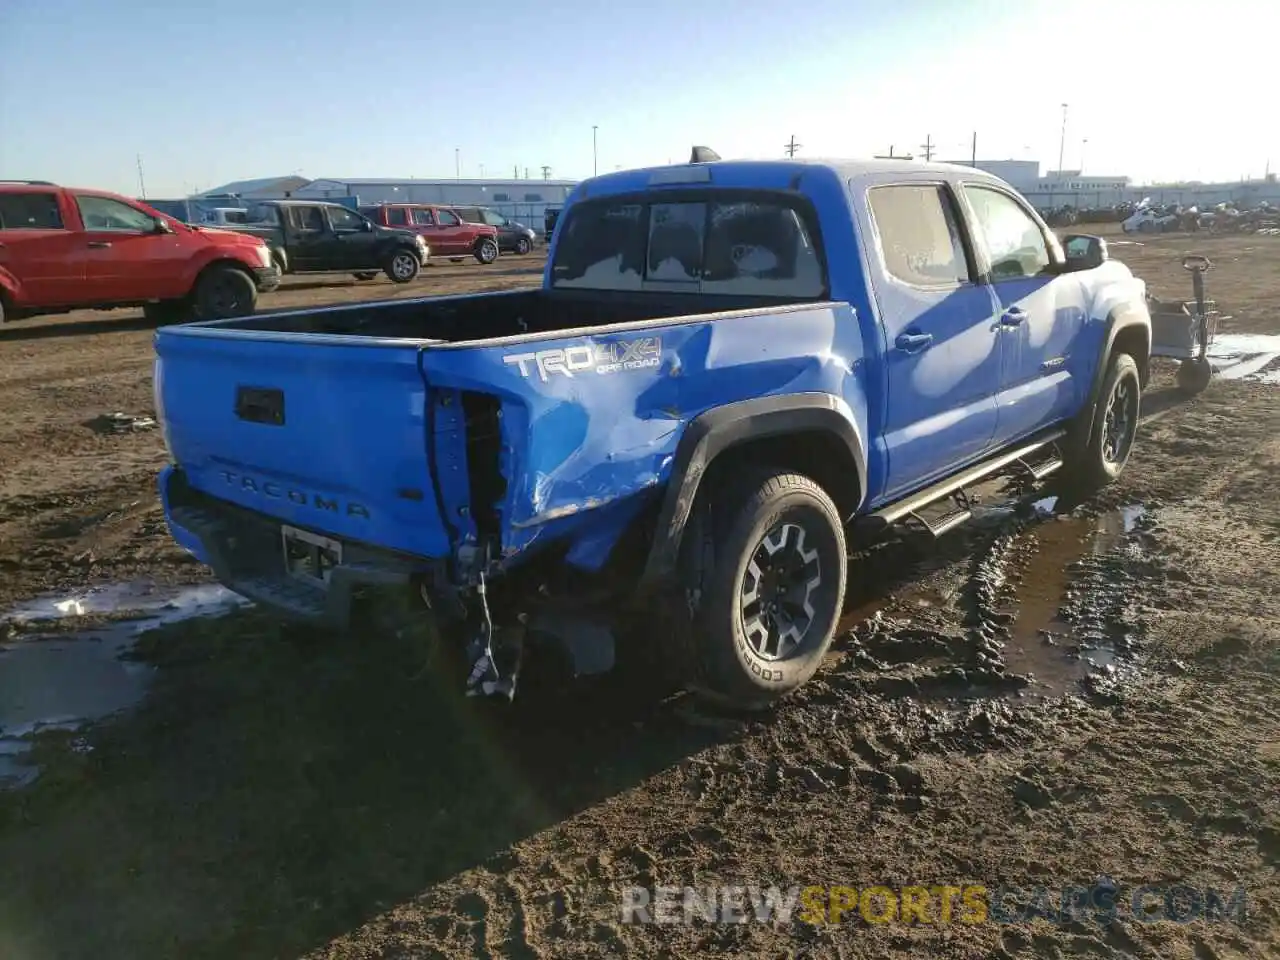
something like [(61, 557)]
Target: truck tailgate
[(322, 435)]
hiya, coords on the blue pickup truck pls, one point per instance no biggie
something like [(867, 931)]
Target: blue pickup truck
[(731, 371)]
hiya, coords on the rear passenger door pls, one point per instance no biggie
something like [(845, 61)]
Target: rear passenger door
[(46, 258), (1042, 313), (306, 234), (941, 349)]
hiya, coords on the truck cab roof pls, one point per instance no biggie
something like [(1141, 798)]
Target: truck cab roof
[(775, 174)]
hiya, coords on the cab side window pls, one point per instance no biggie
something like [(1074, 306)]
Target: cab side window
[(447, 219), (1015, 244), (920, 239), (103, 213), (422, 217), (345, 221), (397, 217)]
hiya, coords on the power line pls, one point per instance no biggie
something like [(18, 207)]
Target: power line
[(791, 146)]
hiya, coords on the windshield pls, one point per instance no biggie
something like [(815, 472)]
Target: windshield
[(715, 245)]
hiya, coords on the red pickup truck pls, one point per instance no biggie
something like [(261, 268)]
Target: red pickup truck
[(64, 249), (446, 233)]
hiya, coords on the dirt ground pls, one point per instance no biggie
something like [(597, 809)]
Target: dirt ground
[(278, 796)]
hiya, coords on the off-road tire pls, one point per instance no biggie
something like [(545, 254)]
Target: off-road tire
[(486, 251), (402, 265), (365, 274), (716, 657), (1089, 466), (222, 292), (1194, 376)]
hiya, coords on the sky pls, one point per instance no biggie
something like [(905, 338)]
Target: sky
[(210, 91)]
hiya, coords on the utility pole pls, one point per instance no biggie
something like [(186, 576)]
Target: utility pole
[(595, 157), (973, 151), (457, 163), (1083, 143), (927, 147), (791, 146), (895, 156), (482, 171), (142, 184), (1062, 143), (546, 172), (515, 171), (526, 173)]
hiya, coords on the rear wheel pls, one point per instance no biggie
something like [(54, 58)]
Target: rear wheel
[(523, 246), (770, 598), (486, 250), (224, 291), (365, 274), (402, 266)]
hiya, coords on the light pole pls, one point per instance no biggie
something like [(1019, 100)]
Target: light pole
[(457, 163), (1062, 143), (595, 157), (1083, 143)]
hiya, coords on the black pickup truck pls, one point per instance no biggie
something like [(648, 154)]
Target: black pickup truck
[(316, 237)]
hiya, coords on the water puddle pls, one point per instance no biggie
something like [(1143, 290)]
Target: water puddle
[(1057, 653), (1245, 356), (54, 680)]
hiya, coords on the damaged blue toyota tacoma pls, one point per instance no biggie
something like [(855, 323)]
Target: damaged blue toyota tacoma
[(732, 372)]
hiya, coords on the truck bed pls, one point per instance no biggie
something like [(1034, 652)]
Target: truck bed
[(472, 317)]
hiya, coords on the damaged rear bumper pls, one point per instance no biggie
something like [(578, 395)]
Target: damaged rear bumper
[(243, 549)]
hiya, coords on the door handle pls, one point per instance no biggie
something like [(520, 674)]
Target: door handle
[(913, 342), (99, 244), (1013, 317)]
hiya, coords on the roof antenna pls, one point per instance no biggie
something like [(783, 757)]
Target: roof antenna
[(703, 155)]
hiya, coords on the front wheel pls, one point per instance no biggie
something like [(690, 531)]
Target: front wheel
[(486, 251), (770, 598), (223, 292), (1113, 426), (403, 266)]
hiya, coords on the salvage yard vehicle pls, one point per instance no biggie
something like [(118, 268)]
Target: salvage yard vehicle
[(64, 249), (443, 229), (308, 236), (731, 373), (513, 236)]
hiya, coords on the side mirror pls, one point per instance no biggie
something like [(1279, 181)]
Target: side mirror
[(366, 226), (163, 226), (1084, 251)]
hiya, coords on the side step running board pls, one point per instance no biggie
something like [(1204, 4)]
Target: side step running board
[(1020, 457)]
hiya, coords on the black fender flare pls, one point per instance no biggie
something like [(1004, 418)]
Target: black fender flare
[(1118, 321), (713, 432)]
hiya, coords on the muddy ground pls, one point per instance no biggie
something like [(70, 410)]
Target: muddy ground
[(1041, 700)]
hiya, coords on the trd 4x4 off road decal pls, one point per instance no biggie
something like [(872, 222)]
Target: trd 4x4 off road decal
[(611, 357)]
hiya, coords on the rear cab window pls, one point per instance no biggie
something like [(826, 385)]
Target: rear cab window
[(721, 242), (918, 232), (30, 211)]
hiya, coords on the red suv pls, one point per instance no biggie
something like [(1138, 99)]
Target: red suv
[(446, 233), (63, 249)]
